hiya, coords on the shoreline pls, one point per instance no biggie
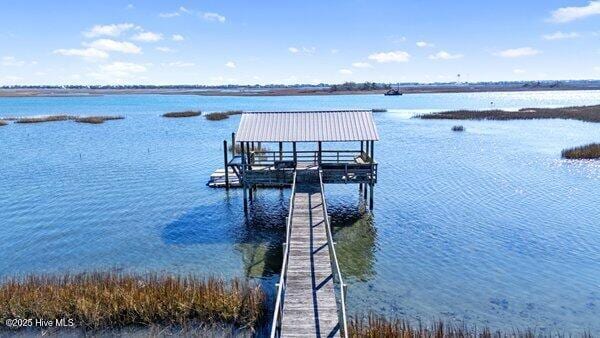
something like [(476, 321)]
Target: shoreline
[(56, 92)]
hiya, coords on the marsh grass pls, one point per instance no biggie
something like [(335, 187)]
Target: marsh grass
[(581, 113), (55, 118), (41, 119), (97, 119), (217, 116), (379, 110), (3, 123), (187, 113), (375, 326), (111, 300), (458, 128), (586, 152)]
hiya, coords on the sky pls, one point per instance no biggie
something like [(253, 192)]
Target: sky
[(211, 42)]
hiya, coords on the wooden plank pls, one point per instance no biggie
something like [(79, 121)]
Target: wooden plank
[(309, 308)]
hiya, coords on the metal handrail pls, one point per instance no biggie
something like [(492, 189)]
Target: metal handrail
[(334, 258), (278, 314)]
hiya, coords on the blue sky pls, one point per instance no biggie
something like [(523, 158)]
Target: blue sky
[(222, 42)]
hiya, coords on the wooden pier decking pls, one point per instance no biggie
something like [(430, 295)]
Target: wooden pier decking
[(308, 305)]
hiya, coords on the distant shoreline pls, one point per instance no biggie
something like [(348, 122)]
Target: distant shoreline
[(419, 89)]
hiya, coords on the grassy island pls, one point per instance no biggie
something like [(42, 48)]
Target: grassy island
[(97, 119), (217, 116), (56, 118), (187, 113), (586, 152), (581, 113), (110, 300), (3, 123)]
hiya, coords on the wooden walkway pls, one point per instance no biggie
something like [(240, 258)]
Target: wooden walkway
[(309, 307)]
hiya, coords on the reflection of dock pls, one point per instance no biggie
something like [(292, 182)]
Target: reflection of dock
[(310, 293)]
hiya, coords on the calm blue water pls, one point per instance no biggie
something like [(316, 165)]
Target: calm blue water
[(488, 226)]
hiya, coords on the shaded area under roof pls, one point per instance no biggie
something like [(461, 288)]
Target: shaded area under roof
[(307, 126)]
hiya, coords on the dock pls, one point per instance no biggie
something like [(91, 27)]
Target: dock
[(308, 301), (311, 294)]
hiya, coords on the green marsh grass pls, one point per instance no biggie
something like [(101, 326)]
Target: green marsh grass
[(187, 113), (112, 300), (586, 152)]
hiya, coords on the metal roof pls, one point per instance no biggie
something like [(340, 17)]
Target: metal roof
[(307, 126)]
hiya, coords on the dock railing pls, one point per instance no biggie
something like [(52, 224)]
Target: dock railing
[(278, 313), (337, 274)]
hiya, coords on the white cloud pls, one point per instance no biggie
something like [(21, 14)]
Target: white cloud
[(165, 49), (304, 50), (334, 51), (148, 37), (345, 71), (177, 37), (567, 14), (87, 53), (130, 6), (168, 15), (518, 52), (561, 36), (518, 71), (109, 30), (362, 65), (179, 64), (208, 16), (443, 55), (115, 46), (597, 69), (122, 69), (293, 50), (11, 61), (184, 10), (423, 44), (395, 56), (230, 64)]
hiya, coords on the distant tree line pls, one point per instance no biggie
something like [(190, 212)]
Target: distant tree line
[(353, 86)]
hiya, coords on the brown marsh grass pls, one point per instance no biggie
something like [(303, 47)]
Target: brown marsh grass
[(3, 123), (581, 113), (40, 119), (586, 152), (111, 300), (97, 119), (187, 113), (217, 116)]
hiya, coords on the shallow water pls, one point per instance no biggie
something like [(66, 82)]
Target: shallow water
[(488, 226)]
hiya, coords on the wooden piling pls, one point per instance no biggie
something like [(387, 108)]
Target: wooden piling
[(225, 150)]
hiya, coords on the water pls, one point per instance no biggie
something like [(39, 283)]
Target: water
[(488, 226)]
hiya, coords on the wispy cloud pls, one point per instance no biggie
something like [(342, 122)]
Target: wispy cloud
[(518, 71), (118, 71), (443, 55), (114, 46), (305, 50), (230, 64), (395, 56), (177, 37), (165, 49), (345, 71), (179, 64), (148, 37), (561, 36), (210, 16), (11, 61), (518, 52), (109, 30), (169, 15), (567, 14), (86, 53), (361, 65), (424, 44)]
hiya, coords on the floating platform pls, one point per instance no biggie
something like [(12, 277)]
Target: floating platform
[(217, 179)]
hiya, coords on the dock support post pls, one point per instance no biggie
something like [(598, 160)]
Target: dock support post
[(225, 150), (372, 184), (280, 151), (232, 144), (320, 150), (245, 187), (295, 155)]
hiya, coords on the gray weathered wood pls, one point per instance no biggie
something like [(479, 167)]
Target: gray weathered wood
[(310, 308)]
